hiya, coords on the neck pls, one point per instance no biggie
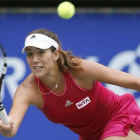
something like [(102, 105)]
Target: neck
[(51, 80)]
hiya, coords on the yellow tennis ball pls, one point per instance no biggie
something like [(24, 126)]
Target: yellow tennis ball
[(66, 10)]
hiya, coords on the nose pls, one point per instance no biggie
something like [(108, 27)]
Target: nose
[(35, 59)]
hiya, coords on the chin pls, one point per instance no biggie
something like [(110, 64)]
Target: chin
[(38, 75)]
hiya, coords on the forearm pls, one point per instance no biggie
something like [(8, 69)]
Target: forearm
[(135, 85)]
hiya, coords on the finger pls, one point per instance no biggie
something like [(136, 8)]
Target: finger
[(6, 135), (5, 127), (12, 125), (11, 122), (3, 131)]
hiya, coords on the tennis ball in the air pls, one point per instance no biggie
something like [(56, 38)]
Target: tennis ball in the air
[(66, 10)]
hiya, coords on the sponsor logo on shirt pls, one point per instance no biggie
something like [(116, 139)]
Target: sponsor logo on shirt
[(83, 103), (68, 103)]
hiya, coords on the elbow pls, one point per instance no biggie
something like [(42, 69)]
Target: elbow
[(137, 86)]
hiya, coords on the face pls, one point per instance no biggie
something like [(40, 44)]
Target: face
[(41, 61)]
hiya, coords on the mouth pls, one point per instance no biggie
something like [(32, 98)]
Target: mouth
[(38, 67)]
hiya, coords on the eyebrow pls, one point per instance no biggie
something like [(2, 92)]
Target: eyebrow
[(30, 49)]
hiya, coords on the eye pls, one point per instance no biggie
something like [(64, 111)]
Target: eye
[(29, 53), (41, 52)]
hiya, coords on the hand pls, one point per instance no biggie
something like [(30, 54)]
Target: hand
[(8, 130)]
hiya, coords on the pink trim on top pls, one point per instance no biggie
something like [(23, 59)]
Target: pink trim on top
[(87, 90), (41, 94)]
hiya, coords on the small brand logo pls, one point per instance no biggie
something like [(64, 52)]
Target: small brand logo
[(68, 103), (33, 37), (83, 103)]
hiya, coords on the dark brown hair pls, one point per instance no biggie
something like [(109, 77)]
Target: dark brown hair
[(66, 60)]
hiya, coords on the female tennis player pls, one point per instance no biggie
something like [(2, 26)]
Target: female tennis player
[(68, 90)]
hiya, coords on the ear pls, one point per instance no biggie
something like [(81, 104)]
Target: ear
[(55, 55)]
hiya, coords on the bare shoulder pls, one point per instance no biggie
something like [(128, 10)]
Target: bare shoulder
[(91, 70), (85, 75), (86, 72), (27, 89), (94, 68), (86, 68), (29, 83), (87, 65)]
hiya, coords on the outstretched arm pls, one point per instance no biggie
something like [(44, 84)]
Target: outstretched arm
[(21, 102), (108, 75)]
